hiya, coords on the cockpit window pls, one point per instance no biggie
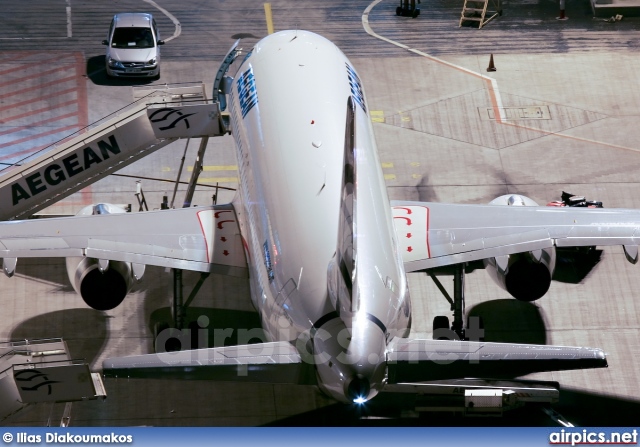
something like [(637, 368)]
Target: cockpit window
[(247, 56), (132, 38)]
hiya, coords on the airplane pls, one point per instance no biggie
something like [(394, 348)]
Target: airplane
[(325, 251)]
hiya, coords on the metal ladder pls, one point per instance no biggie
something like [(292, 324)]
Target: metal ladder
[(472, 8)]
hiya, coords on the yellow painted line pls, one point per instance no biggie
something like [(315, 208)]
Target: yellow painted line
[(389, 176), (414, 164), (267, 13), (216, 168), (218, 180), (386, 165), (377, 116), (416, 175), (166, 169)]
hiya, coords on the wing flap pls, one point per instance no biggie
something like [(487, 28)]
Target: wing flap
[(147, 259), (481, 248), (275, 362), (419, 360), (603, 234)]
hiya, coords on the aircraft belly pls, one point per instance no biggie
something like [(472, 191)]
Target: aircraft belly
[(301, 244), (292, 250)]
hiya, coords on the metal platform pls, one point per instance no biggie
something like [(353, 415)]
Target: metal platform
[(611, 8), (478, 397), (158, 116), (41, 371)]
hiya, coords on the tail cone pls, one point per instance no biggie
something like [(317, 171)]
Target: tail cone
[(358, 390)]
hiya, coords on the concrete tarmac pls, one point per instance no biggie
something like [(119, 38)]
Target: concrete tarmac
[(569, 92)]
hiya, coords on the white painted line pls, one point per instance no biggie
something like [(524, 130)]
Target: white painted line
[(493, 84), (33, 38), (69, 29), (171, 17), (499, 110)]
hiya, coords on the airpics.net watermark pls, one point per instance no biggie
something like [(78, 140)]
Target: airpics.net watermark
[(585, 437), (314, 347)]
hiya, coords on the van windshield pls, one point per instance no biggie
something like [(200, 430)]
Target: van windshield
[(132, 38)]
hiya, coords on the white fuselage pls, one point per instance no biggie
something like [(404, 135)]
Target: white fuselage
[(288, 109)]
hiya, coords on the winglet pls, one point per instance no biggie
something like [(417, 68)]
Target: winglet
[(631, 253), (9, 266)]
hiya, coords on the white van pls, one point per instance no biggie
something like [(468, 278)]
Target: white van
[(133, 46)]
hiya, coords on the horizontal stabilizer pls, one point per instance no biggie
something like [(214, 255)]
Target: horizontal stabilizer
[(277, 362), (419, 360)]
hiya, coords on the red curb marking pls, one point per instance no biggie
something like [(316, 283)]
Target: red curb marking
[(41, 74), (39, 86), (35, 112), (35, 137), (38, 123), (40, 98)]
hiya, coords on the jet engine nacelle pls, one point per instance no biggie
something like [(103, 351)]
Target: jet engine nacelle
[(526, 276), (101, 290), (103, 285)]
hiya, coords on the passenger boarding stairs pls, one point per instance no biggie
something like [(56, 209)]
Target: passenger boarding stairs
[(159, 116), (41, 371)]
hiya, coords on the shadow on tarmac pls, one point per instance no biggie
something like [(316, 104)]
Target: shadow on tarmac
[(215, 327), (397, 410), (84, 330), (573, 266), (510, 320), (98, 75)]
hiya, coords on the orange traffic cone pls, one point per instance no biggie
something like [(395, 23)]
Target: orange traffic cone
[(491, 67)]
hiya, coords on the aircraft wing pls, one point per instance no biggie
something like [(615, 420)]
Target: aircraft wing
[(438, 234), (205, 239), (275, 362), (420, 360)]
